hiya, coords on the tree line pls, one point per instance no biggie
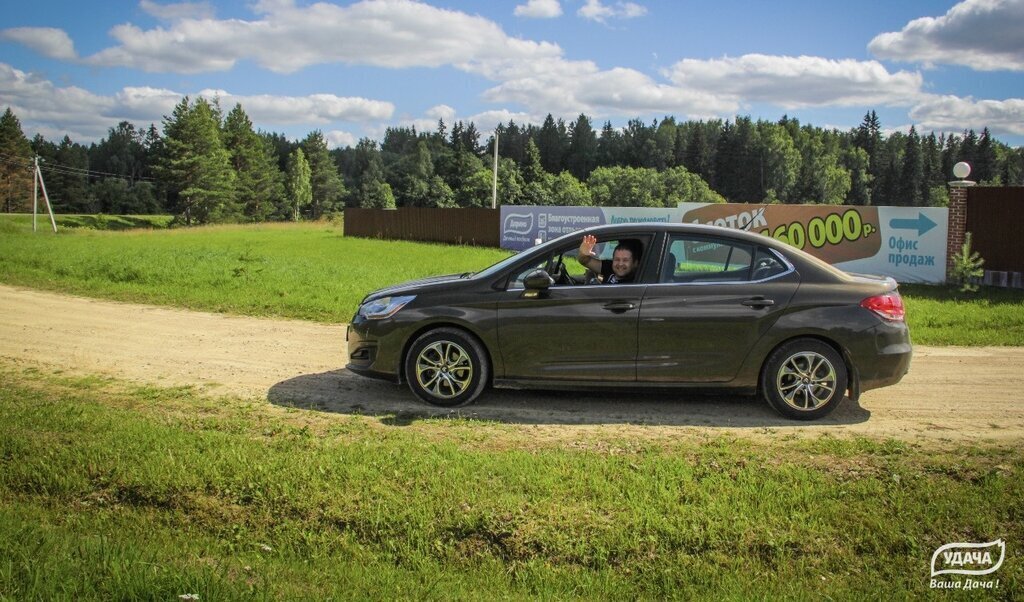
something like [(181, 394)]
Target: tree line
[(204, 166)]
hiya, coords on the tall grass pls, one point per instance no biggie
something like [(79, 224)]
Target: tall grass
[(110, 491)]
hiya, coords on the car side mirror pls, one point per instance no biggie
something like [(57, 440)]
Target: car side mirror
[(538, 280)]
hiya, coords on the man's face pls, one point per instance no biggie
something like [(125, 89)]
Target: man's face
[(623, 263)]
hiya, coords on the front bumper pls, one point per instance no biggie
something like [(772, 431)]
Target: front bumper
[(365, 356)]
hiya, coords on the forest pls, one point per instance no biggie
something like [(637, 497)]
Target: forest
[(203, 166)]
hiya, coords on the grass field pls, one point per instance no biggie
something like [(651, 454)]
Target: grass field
[(307, 271), (23, 222), (112, 491), (311, 271)]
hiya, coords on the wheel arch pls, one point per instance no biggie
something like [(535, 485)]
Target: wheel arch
[(853, 377), (436, 326)]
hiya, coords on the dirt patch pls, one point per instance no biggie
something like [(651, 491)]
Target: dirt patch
[(951, 393)]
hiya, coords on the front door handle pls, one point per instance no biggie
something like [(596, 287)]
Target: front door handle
[(620, 306), (758, 302)]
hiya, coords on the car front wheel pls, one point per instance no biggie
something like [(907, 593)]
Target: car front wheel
[(804, 379), (446, 367)]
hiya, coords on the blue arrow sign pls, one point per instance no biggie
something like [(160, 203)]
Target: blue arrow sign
[(922, 224)]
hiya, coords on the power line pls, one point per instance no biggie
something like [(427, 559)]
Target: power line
[(70, 169)]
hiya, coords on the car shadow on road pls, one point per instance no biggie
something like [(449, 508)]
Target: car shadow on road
[(343, 392)]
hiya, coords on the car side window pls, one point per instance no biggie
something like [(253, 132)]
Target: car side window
[(702, 259), (565, 259), (766, 265), (552, 264)]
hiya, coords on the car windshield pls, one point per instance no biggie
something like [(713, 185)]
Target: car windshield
[(494, 269)]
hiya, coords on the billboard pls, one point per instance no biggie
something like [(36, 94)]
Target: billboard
[(907, 243)]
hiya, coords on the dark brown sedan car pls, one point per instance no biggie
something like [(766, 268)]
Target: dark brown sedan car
[(709, 308)]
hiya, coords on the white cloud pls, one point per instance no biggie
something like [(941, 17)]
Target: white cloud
[(180, 10), (956, 114), (47, 41), (794, 82), (315, 108), (595, 10), (981, 34), (567, 88), (54, 110), (539, 9), (384, 33), (441, 112), (38, 101), (339, 139)]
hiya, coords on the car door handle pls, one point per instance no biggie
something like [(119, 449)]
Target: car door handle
[(620, 306), (758, 302)]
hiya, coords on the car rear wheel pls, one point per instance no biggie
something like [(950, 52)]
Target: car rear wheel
[(446, 367), (804, 379)]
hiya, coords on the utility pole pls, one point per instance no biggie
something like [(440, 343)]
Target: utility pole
[(494, 185), (37, 182)]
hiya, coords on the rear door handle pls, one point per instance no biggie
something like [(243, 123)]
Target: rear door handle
[(620, 306), (758, 302)]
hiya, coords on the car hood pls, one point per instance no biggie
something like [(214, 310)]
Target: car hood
[(414, 286)]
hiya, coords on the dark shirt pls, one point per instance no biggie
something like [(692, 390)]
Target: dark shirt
[(608, 275)]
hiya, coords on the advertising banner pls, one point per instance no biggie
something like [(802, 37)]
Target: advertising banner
[(907, 243)]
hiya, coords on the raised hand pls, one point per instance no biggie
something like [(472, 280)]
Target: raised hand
[(587, 246)]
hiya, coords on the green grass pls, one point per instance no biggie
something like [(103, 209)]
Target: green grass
[(112, 491), (310, 271), (942, 315), (23, 222), (307, 271)]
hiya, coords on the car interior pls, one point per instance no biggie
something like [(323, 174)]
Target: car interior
[(689, 260)]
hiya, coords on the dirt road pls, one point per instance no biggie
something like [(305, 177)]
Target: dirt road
[(951, 393)]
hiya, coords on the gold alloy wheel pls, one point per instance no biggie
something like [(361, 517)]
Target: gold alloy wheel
[(444, 369)]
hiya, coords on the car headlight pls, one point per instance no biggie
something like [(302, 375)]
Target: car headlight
[(385, 307)]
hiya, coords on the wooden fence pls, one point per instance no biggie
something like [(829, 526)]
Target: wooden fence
[(469, 226), (995, 217)]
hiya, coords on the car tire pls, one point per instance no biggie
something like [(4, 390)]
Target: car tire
[(447, 367), (804, 379)]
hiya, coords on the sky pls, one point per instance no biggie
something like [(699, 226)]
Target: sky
[(353, 69)]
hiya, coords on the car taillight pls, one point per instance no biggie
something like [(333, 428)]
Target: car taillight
[(889, 306)]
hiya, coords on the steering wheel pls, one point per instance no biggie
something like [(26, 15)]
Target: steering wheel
[(562, 274), (762, 270)]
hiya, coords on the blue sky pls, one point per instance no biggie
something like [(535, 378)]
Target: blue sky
[(351, 69)]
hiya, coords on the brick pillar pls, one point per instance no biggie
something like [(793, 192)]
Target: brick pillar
[(957, 221)]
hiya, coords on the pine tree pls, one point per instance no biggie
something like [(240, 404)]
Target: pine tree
[(259, 184), (371, 192), (912, 172), (15, 165), (196, 166), (328, 189), (985, 169), (72, 183), (582, 154), (609, 146), (552, 142), (697, 157)]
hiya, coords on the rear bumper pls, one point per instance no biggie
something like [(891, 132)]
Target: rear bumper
[(884, 358)]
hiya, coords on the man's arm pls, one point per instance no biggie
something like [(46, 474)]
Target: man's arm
[(586, 256)]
